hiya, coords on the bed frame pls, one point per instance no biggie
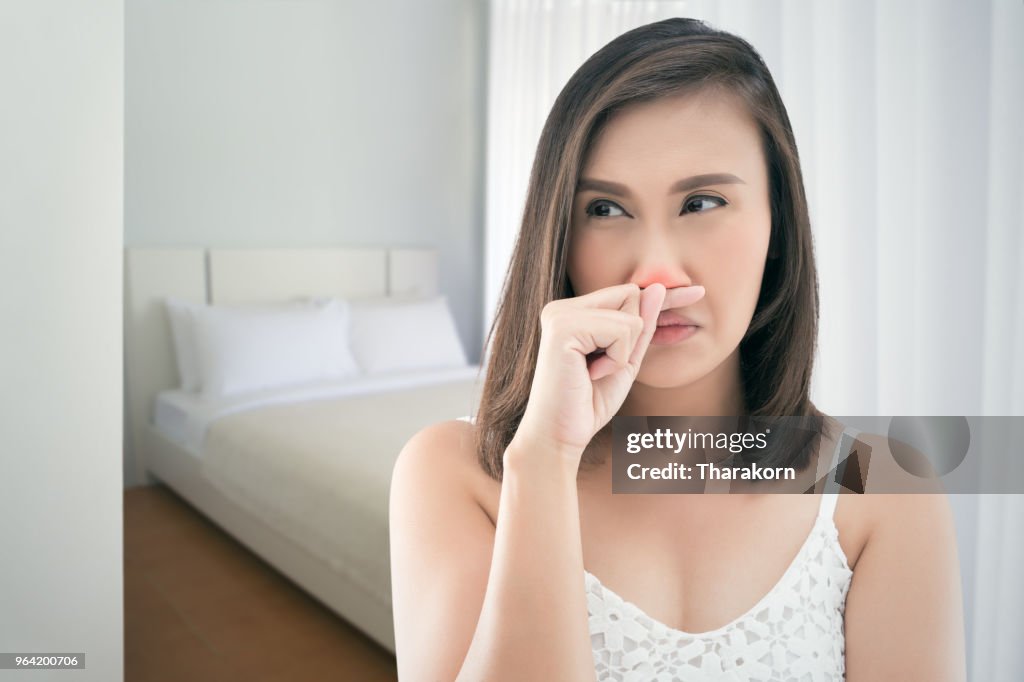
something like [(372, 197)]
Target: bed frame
[(230, 276)]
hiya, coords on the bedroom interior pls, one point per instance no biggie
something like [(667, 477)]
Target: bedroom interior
[(272, 128), (275, 151), (148, 140), (291, 459)]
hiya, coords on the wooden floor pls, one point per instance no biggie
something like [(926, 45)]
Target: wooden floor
[(200, 606)]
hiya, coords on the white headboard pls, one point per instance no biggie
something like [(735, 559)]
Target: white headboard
[(239, 276)]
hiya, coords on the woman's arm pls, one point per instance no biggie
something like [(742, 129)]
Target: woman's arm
[(534, 620), (904, 612), (477, 602)]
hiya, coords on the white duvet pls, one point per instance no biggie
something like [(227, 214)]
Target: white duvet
[(319, 471), (185, 416)]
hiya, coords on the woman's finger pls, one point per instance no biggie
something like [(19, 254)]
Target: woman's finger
[(677, 297), (618, 297), (612, 332), (652, 302)]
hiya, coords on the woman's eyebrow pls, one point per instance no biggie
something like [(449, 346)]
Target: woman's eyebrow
[(684, 185)]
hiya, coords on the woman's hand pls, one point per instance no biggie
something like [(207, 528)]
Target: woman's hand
[(577, 388)]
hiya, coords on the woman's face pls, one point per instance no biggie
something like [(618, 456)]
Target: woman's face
[(676, 191)]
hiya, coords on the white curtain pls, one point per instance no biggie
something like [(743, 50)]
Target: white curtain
[(908, 119)]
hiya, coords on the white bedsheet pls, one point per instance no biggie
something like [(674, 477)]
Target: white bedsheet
[(319, 472), (185, 417)]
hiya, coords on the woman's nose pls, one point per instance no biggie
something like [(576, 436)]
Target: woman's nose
[(660, 262), (669, 276)]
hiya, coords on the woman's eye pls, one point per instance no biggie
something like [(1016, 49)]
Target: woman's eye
[(602, 208), (700, 204)]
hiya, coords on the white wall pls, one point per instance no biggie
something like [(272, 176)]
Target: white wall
[(309, 123), (61, 143)]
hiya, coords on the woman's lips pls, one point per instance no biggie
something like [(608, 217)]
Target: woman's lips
[(669, 317), (672, 333), (672, 328)]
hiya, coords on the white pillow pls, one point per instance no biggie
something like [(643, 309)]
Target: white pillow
[(179, 314), (390, 335), (248, 348)]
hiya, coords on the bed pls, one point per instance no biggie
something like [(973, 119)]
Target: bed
[(300, 474)]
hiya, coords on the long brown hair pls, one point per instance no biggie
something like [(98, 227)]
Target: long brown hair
[(664, 58)]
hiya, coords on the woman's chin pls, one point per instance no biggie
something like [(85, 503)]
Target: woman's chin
[(668, 372)]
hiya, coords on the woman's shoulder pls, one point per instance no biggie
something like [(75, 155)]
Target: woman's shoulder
[(442, 443), (443, 456), (895, 503)]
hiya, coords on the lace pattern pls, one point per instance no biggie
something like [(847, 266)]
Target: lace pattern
[(795, 632)]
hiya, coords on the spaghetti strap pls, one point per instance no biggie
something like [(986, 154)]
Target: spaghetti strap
[(829, 495), (828, 505)]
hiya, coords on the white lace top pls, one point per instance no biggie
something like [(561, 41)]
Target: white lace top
[(795, 632)]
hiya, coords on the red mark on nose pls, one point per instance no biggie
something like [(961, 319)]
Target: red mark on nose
[(664, 277)]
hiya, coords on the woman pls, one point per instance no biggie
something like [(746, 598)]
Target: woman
[(664, 267)]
